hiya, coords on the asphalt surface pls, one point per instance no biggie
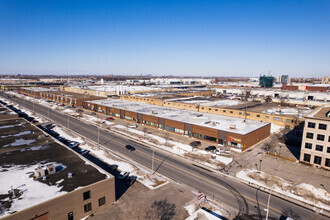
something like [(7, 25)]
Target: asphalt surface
[(245, 199)]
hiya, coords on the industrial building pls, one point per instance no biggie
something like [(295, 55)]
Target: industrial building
[(237, 133), (41, 179), (315, 148)]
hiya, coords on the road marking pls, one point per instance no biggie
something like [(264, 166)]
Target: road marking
[(176, 167), (317, 170)]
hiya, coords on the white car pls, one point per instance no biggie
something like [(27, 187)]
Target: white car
[(132, 126), (123, 175)]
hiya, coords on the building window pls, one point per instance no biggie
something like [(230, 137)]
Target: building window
[(287, 120), (327, 162), (308, 145), (216, 110), (70, 216), (258, 116), (317, 160), (307, 158), (311, 125), (329, 139), (240, 113), (101, 201), (309, 135), (231, 112), (87, 195), (319, 147), (210, 109), (223, 110), (322, 126), (320, 137), (202, 107), (88, 207), (328, 149)]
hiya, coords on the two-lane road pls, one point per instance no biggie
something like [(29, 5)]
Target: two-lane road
[(244, 199)]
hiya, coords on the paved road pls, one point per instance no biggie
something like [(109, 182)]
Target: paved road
[(245, 199)]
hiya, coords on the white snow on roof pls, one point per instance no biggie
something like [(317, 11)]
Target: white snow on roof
[(191, 117), (113, 88), (33, 191)]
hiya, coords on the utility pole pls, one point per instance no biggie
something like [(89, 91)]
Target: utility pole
[(48, 112)]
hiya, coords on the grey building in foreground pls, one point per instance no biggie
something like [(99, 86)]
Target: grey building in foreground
[(315, 147)]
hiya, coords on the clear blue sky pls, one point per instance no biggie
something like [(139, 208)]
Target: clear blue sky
[(218, 38)]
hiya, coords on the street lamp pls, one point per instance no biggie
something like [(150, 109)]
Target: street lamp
[(280, 150), (256, 166), (268, 203), (260, 164), (98, 135), (152, 164)]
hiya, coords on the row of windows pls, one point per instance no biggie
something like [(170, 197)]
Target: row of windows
[(313, 125), (319, 137), (88, 206), (317, 160), (317, 147), (150, 123)]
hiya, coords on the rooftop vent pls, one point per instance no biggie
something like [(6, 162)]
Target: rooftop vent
[(207, 122), (232, 127), (69, 175), (199, 115)]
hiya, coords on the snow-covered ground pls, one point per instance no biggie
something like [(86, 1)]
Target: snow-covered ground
[(275, 128), (172, 146), (302, 192), (195, 212)]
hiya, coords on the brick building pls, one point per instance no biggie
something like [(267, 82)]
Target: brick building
[(228, 131)]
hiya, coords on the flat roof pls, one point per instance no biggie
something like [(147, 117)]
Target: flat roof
[(218, 122), (257, 107), (41, 89), (23, 149), (322, 113), (74, 95)]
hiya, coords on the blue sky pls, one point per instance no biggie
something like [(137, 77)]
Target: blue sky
[(200, 38)]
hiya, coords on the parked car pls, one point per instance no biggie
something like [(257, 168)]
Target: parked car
[(130, 147), (110, 119), (34, 121), (84, 152), (53, 133), (123, 175), (113, 167), (62, 105), (93, 113), (210, 148), (73, 144), (132, 126), (130, 180)]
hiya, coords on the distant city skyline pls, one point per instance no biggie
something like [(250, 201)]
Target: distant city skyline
[(179, 38)]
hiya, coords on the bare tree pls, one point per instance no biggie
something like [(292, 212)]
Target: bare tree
[(145, 130), (161, 210), (268, 99), (166, 136), (246, 94)]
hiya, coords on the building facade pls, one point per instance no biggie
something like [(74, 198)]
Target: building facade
[(315, 148)]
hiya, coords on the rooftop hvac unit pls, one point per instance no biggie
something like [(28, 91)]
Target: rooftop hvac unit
[(70, 175), (39, 172), (207, 122), (51, 168), (232, 127), (154, 112), (199, 115)]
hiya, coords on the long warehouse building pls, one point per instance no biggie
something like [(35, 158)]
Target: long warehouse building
[(236, 133)]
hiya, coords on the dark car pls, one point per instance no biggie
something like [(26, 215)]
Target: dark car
[(130, 180), (210, 148), (110, 119), (130, 147), (93, 113), (123, 175), (113, 167), (53, 133), (195, 143), (73, 144)]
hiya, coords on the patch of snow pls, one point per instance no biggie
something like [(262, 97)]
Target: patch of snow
[(36, 148), (19, 142), (275, 128), (17, 135), (292, 188)]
